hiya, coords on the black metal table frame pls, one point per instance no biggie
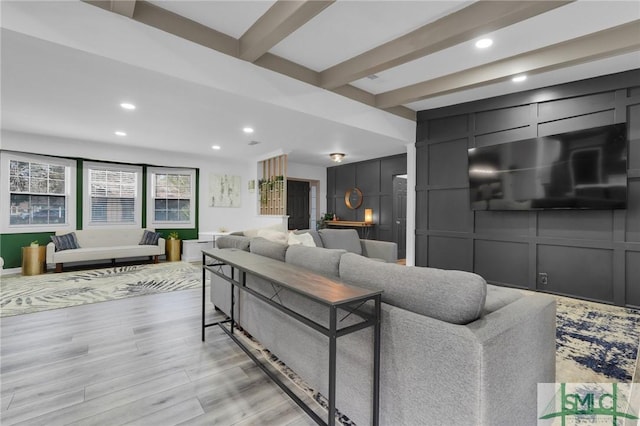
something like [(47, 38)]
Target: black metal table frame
[(332, 333)]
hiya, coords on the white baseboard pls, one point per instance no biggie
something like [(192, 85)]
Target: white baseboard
[(10, 271)]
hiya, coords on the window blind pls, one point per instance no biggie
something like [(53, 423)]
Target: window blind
[(113, 195)]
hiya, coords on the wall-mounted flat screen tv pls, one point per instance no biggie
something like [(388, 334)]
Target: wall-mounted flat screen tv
[(584, 169)]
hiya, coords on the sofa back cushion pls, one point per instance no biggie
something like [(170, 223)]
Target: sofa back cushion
[(456, 297), (317, 259), (268, 248), (233, 241), (107, 237), (345, 239)]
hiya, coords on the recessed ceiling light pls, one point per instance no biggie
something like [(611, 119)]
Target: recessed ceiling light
[(519, 78), (216, 147), (120, 133), (247, 130), (483, 43), (126, 105)]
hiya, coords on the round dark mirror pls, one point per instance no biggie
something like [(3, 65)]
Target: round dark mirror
[(353, 198)]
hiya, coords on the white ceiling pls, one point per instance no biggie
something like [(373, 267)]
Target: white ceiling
[(66, 65)]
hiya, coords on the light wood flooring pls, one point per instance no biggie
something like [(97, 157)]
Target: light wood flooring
[(135, 361)]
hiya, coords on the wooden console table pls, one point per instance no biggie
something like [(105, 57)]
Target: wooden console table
[(352, 224), (318, 288)]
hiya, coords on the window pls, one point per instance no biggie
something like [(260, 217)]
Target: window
[(171, 200), (114, 193), (40, 195)]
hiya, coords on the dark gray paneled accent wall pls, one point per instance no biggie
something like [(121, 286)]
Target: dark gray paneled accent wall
[(591, 254), (375, 179)]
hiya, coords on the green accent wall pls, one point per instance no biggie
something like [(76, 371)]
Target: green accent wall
[(184, 234), (11, 246)]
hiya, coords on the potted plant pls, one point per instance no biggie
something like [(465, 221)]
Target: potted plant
[(173, 247), (35, 243)]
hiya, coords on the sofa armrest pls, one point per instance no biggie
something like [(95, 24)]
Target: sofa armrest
[(51, 249), (162, 244), (385, 250), (495, 362)]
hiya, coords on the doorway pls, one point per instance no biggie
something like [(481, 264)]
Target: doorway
[(399, 232), (298, 204)]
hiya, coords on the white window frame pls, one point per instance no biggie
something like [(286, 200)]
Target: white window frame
[(86, 199), (5, 194), (151, 182)]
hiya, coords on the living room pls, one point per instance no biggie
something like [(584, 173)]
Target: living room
[(64, 83)]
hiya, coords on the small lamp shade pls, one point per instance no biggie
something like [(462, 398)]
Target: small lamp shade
[(368, 216)]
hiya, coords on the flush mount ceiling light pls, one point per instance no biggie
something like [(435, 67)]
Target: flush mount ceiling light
[(120, 133), (483, 43), (519, 78), (127, 105), (247, 130), (336, 157), (216, 147)]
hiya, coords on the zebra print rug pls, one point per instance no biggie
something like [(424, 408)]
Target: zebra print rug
[(23, 295)]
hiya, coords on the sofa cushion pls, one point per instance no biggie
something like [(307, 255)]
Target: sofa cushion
[(316, 237), (320, 260), (453, 296), (149, 238), (233, 241), (268, 248), (65, 242), (346, 239), (305, 239)]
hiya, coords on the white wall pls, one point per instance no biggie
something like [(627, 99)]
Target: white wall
[(211, 218)]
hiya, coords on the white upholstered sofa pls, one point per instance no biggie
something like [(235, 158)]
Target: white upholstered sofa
[(101, 244)]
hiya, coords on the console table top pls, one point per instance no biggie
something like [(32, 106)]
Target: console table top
[(349, 223), (323, 289)]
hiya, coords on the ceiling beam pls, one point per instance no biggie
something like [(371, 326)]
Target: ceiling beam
[(602, 44), (479, 18), (123, 7), (180, 26), (307, 75), (282, 19)]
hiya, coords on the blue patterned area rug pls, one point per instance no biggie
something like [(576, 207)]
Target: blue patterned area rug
[(23, 295), (596, 342)]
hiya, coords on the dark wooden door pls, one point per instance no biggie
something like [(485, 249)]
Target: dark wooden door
[(298, 204), (400, 214)]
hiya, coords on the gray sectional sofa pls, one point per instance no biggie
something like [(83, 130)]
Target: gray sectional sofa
[(454, 350)]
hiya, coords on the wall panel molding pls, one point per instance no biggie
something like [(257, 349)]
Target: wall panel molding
[(587, 254)]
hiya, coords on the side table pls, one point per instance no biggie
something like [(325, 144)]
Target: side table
[(33, 260), (172, 250)]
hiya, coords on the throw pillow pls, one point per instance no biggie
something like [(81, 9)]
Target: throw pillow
[(149, 238), (252, 233), (65, 242), (304, 239), (273, 235)]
